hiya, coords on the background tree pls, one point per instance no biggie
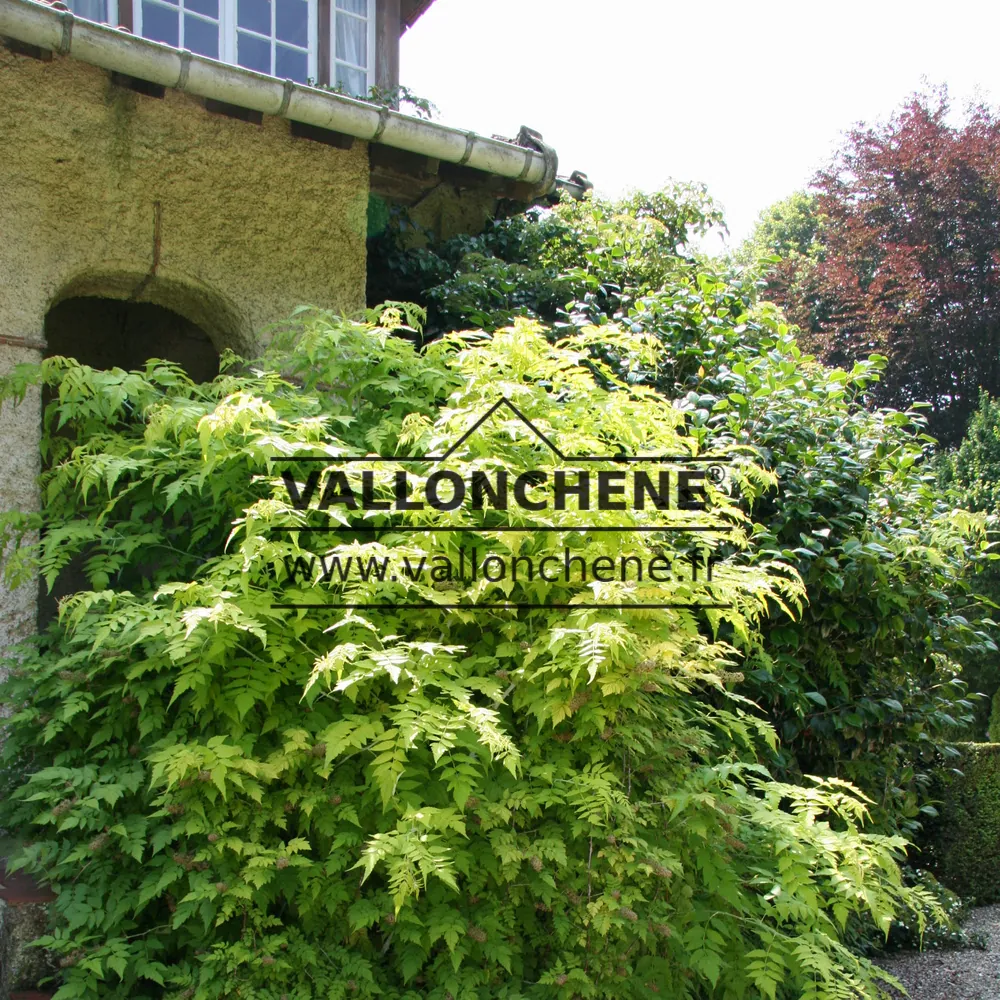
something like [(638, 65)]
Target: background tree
[(786, 245), (911, 269), (788, 228)]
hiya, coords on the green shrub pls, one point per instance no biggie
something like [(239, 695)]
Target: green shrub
[(974, 467), (961, 845), (910, 932), (234, 799), (971, 473), (993, 729), (868, 683), (590, 258)]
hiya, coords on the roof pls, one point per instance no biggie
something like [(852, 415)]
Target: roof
[(51, 29), (410, 11)]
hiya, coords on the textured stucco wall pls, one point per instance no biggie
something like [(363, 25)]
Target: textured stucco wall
[(447, 211), (252, 223), (23, 968), (19, 467)]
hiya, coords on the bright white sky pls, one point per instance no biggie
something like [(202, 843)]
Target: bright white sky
[(750, 97)]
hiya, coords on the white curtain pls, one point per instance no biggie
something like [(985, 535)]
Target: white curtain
[(352, 33), (352, 81)]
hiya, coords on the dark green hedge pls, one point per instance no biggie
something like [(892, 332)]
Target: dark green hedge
[(962, 844)]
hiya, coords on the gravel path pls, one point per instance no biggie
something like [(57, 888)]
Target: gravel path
[(968, 974)]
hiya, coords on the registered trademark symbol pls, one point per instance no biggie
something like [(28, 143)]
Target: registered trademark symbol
[(717, 474)]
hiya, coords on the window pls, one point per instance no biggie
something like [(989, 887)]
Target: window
[(185, 24), (353, 46), (96, 10), (277, 37)]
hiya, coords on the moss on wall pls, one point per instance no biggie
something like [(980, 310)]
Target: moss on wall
[(962, 844)]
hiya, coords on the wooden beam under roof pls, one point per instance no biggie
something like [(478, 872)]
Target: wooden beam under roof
[(411, 11)]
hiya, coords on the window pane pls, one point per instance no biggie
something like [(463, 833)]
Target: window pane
[(354, 6), (201, 36), (160, 23), (92, 10), (254, 15), (291, 64), (353, 81), (208, 7), (352, 40), (292, 21), (254, 53)]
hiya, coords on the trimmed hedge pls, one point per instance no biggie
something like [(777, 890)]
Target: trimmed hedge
[(962, 845)]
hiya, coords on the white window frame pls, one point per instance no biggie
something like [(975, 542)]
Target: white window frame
[(223, 14), (228, 41), (368, 70), (228, 28)]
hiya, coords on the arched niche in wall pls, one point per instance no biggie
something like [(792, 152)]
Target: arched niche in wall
[(113, 319), (109, 318), (111, 333)]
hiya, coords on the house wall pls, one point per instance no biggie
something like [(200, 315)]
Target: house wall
[(387, 28), (98, 183)]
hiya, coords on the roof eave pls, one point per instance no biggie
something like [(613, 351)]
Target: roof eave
[(411, 11), (34, 23)]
